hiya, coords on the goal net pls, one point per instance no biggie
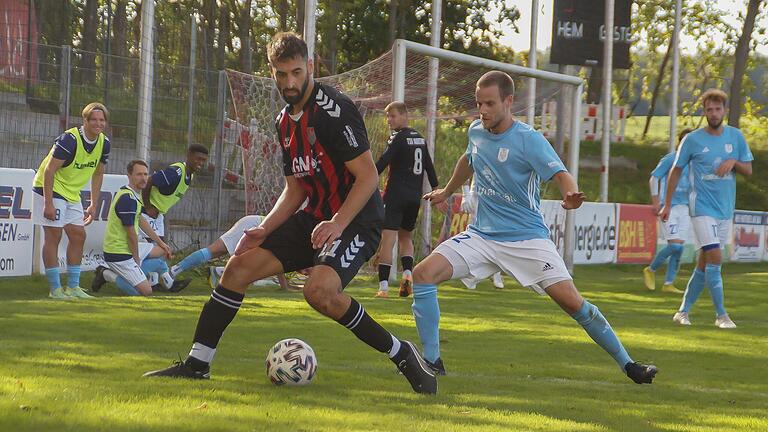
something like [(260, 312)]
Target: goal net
[(253, 157)]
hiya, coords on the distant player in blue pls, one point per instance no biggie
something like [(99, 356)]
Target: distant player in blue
[(508, 159), (713, 155), (676, 227)]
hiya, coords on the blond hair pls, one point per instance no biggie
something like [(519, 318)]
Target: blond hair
[(398, 106), (714, 95), (95, 106)]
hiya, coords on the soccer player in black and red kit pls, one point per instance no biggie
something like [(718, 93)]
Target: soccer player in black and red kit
[(408, 160), (326, 159)]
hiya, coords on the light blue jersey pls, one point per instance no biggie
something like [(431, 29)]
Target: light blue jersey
[(661, 172), (508, 169), (712, 195)]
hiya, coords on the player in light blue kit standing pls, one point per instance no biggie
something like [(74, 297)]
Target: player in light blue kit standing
[(712, 154), (676, 227), (509, 159)]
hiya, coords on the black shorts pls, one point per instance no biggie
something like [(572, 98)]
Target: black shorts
[(401, 214), (291, 244)]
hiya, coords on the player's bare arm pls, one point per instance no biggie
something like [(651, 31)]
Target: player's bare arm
[(50, 171), (461, 173), (743, 168), (147, 229), (148, 207), (96, 180), (366, 182), (289, 201), (572, 198), (672, 179)]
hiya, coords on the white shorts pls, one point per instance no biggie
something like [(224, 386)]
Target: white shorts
[(708, 231), (157, 224), (144, 249), (233, 236), (67, 213), (129, 270), (678, 224), (534, 263)]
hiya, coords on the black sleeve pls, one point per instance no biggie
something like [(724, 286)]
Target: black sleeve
[(346, 129), (393, 149), (430, 168)]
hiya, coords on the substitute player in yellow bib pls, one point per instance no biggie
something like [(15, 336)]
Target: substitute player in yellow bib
[(127, 259), (77, 156), (164, 189)]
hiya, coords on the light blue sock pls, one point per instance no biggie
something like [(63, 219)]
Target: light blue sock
[(125, 287), (54, 281), (662, 256), (674, 262), (154, 265), (73, 275), (714, 277), (693, 290), (199, 257), (600, 331), (426, 311)]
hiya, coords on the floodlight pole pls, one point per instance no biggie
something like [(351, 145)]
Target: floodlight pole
[(434, 67), (675, 76), (532, 61), (569, 242), (605, 154), (144, 120), (310, 19)]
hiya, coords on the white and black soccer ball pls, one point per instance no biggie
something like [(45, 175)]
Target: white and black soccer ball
[(291, 362)]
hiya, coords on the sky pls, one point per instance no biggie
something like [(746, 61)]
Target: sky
[(520, 41)]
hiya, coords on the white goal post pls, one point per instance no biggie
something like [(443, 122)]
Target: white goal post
[(402, 48)]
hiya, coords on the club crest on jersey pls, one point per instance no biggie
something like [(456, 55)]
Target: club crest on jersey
[(286, 142), (311, 136), (728, 148), (503, 154)]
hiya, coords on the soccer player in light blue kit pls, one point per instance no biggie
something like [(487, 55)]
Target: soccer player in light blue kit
[(712, 154), (676, 227), (508, 159)]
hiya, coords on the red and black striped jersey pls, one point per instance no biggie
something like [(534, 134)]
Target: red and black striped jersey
[(316, 144)]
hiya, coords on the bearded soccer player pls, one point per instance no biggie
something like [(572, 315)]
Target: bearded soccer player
[(509, 159), (78, 155), (164, 190), (713, 155), (408, 159), (326, 158)]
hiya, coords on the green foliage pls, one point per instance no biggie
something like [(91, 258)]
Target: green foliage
[(515, 362)]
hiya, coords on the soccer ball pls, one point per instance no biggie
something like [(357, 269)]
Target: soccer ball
[(291, 362)]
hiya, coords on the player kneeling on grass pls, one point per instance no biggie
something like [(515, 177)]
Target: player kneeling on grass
[(224, 245), (327, 159), (509, 158), (122, 250)]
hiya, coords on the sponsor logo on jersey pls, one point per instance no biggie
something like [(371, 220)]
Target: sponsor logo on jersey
[(303, 165), (350, 136), (706, 150), (415, 141), (90, 164)]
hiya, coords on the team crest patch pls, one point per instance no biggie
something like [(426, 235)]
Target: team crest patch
[(728, 148), (311, 136), (503, 154)]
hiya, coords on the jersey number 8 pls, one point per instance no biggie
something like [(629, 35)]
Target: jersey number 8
[(417, 165)]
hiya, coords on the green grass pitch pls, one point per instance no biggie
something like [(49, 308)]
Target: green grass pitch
[(515, 362)]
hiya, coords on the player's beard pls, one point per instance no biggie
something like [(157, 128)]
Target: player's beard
[(714, 125), (293, 100)]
